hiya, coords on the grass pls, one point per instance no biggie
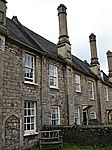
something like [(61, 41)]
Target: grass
[(73, 147)]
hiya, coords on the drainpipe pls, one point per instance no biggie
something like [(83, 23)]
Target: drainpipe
[(66, 92), (99, 102), (41, 90)]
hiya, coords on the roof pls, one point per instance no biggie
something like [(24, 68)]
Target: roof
[(22, 34)]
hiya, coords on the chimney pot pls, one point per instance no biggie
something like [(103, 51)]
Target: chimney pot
[(95, 66), (64, 46), (61, 9), (109, 59), (92, 37)]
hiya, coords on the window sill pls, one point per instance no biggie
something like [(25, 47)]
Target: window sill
[(31, 133), (32, 83), (78, 91), (91, 99), (53, 87)]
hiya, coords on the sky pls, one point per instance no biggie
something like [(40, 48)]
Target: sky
[(83, 18)]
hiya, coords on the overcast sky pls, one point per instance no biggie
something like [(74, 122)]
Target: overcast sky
[(83, 17)]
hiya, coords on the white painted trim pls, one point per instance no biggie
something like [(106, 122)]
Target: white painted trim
[(28, 82)]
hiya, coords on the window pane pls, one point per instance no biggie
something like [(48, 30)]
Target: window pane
[(25, 112), (25, 120), (32, 126), (32, 105), (24, 126), (28, 104), (29, 112), (52, 81), (28, 126), (32, 119), (28, 119), (32, 111)]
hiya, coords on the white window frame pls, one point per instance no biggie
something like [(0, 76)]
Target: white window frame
[(55, 115), (53, 76), (29, 68), (77, 115), (78, 83), (106, 93), (91, 90), (92, 115), (29, 117)]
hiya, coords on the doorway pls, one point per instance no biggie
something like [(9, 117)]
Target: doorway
[(85, 118)]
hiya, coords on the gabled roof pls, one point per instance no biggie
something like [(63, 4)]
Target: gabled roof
[(17, 31), (83, 66)]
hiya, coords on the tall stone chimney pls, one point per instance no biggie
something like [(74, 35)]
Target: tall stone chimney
[(64, 46), (109, 59), (3, 30), (95, 66)]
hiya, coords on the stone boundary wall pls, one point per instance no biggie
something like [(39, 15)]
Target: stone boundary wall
[(85, 135)]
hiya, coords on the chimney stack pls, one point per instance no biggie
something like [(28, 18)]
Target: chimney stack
[(95, 66), (64, 46), (109, 59), (3, 8)]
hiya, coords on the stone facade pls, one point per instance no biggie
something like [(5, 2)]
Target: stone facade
[(25, 105)]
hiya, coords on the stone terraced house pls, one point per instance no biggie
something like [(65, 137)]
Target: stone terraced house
[(42, 83)]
